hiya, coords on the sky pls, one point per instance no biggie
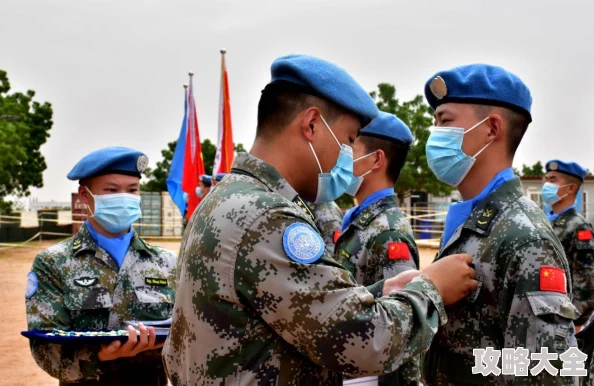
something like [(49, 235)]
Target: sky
[(114, 70)]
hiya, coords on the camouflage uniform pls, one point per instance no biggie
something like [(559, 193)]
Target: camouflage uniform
[(329, 221), (510, 239), (246, 314), (363, 249), (580, 255), (81, 288)]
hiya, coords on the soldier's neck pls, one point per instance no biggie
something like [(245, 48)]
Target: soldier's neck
[(563, 204), (369, 187)]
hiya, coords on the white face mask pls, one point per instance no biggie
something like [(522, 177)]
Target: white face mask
[(356, 185)]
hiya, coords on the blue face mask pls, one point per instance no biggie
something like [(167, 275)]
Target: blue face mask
[(334, 184), (550, 194), (199, 192), (357, 181), (445, 156), (116, 212)]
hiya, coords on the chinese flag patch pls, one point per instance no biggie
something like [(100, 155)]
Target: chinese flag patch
[(336, 235), (398, 251), (552, 279), (585, 235)]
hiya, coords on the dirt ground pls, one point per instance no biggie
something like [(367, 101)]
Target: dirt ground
[(17, 367)]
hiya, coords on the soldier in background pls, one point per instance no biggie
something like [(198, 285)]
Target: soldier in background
[(216, 178), (329, 221), (98, 280), (260, 300), (377, 241), (524, 295)]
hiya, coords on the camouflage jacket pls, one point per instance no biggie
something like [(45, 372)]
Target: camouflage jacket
[(379, 244), (247, 314), (575, 233), (513, 247), (82, 288), (329, 222)]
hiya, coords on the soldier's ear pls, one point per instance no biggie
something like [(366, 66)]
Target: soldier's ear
[(379, 159)]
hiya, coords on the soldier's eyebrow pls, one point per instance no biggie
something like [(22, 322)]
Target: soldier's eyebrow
[(111, 185)]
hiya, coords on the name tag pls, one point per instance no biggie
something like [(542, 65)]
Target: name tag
[(155, 282)]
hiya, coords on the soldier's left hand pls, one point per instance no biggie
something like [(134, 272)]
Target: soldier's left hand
[(399, 281), (135, 344)]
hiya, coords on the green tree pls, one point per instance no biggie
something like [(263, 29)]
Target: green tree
[(24, 128), (536, 170), (418, 116), (157, 178)]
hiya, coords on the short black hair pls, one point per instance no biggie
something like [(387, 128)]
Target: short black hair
[(395, 151), (281, 101), (517, 123)]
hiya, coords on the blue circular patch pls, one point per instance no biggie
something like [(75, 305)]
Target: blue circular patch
[(303, 244), (32, 284)]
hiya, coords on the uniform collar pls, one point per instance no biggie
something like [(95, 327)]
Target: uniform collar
[(246, 163), (355, 212), (561, 218), (83, 241), (378, 206)]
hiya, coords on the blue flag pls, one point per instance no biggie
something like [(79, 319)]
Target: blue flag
[(174, 179)]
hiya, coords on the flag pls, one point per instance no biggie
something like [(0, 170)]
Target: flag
[(174, 179), (225, 148), (193, 163)]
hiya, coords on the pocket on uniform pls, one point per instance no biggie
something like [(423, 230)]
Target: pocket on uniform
[(154, 303), (89, 308)]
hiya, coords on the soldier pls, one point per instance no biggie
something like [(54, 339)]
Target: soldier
[(260, 300), (377, 242), (523, 298), (329, 222), (98, 280), (563, 183), (204, 183)]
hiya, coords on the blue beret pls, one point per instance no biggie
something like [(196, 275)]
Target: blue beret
[(206, 180), (327, 80), (219, 176), (479, 84), (571, 168), (109, 160), (390, 127)]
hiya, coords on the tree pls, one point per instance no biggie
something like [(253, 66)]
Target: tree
[(418, 116), (24, 128), (536, 170), (157, 178)]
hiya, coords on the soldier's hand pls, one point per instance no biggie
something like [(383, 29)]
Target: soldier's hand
[(453, 277), (399, 281), (136, 343)]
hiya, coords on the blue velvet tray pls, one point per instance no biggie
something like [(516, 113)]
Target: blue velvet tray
[(86, 340)]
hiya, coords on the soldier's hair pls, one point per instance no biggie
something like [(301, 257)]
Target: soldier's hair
[(517, 123), (573, 180), (280, 103), (395, 152)]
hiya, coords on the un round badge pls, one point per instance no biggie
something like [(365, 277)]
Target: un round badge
[(303, 244), (32, 284), (438, 87), (142, 163)]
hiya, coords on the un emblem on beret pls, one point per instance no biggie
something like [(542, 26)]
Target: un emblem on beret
[(302, 244), (438, 87), (142, 163), (553, 166)]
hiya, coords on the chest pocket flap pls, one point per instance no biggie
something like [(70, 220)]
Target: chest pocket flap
[(549, 303), (80, 299)]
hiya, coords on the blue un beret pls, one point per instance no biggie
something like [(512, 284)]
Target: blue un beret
[(390, 127), (206, 180), (219, 176), (570, 168), (109, 160), (479, 84), (327, 80)]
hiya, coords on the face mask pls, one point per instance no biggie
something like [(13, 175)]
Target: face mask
[(357, 181), (116, 212), (549, 193), (199, 192), (445, 156), (332, 185)]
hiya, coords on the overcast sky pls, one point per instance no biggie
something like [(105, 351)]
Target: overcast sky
[(114, 70)]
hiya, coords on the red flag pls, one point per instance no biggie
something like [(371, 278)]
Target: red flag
[(193, 163), (552, 279), (398, 251), (584, 235), (225, 148)]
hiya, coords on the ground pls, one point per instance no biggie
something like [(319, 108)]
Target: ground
[(16, 364)]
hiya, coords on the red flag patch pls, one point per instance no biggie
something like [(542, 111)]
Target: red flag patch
[(585, 235), (552, 279), (336, 235), (398, 251)]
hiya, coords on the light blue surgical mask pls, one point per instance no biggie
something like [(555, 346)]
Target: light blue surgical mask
[(445, 156), (334, 184), (357, 181), (199, 192), (116, 212), (550, 192)]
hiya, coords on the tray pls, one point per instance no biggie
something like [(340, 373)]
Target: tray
[(41, 335)]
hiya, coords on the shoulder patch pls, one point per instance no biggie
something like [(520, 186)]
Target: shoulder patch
[(398, 251), (302, 244), (32, 285), (336, 236), (552, 279), (487, 215), (584, 235)]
